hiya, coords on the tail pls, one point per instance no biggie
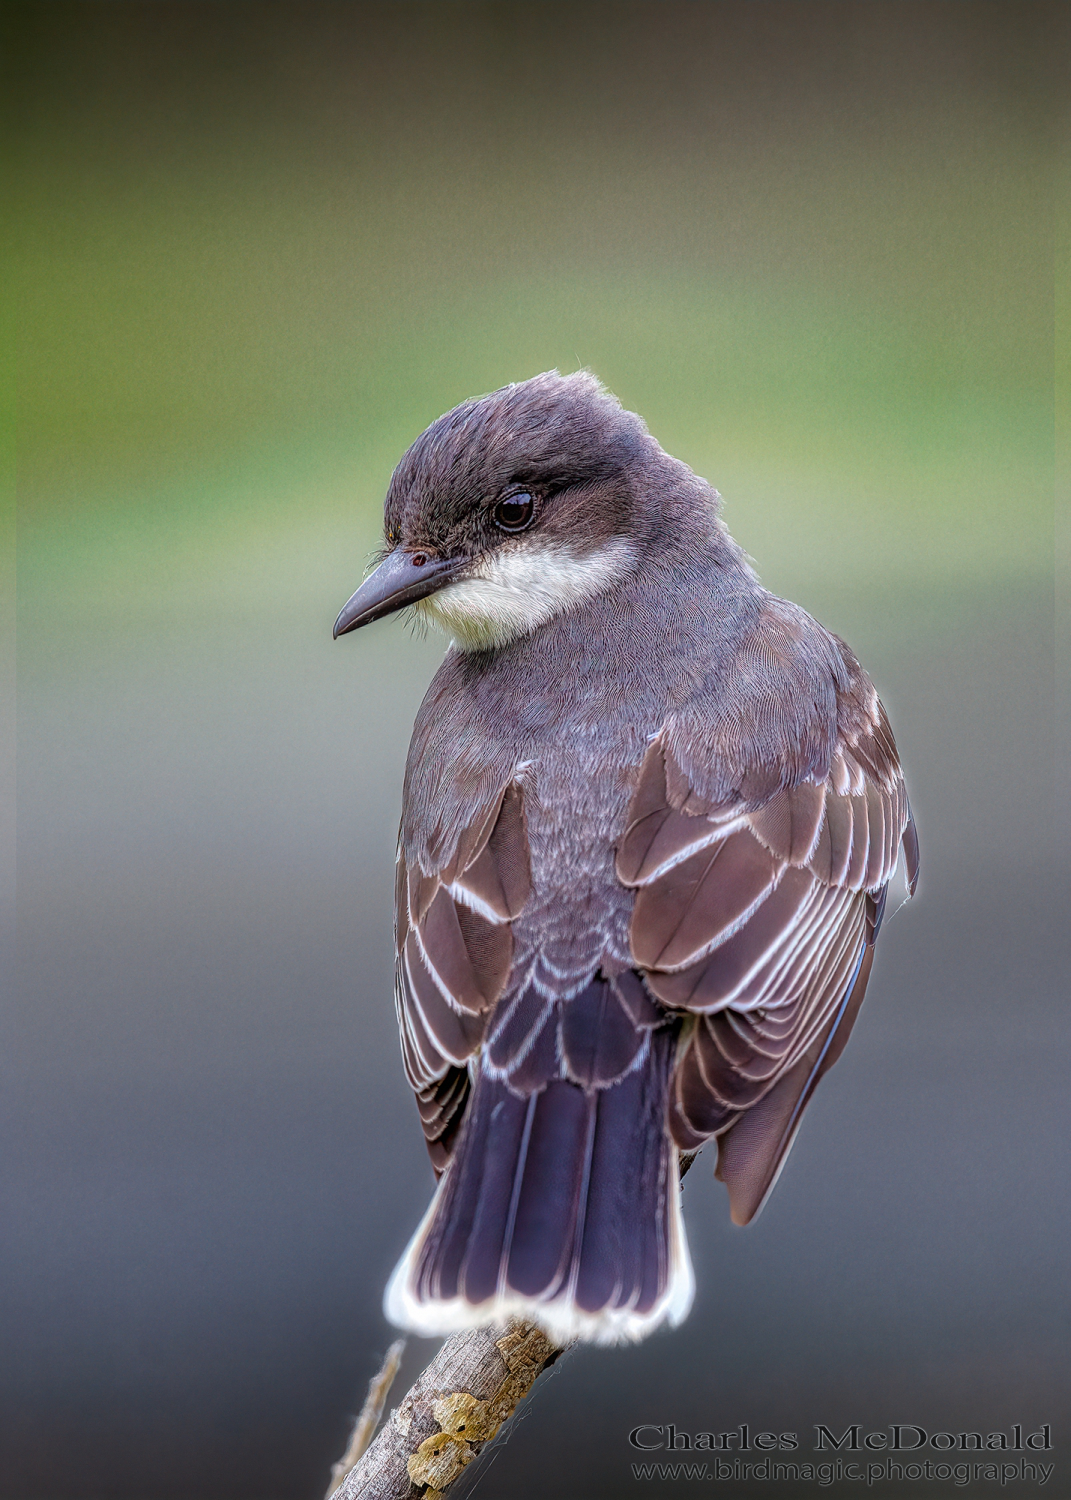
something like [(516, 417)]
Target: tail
[(562, 1207)]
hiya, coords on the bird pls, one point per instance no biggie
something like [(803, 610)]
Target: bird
[(650, 816)]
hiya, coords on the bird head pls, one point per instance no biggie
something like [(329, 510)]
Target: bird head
[(509, 510)]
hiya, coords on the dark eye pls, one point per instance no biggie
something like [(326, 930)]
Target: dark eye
[(515, 512)]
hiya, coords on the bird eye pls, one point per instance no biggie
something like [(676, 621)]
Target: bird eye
[(515, 512)]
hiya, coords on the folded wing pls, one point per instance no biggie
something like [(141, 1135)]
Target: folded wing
[(454, 948), (757, 918)]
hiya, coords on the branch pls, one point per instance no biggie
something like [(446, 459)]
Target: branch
[(472, 1386), (365, 1426)]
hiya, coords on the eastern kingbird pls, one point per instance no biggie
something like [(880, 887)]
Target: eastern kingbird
[(651, 812)]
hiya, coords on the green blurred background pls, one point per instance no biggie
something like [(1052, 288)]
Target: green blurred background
[(259, 248)]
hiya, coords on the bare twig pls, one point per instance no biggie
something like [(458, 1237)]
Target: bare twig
[(365, 1426), (471, 1387)]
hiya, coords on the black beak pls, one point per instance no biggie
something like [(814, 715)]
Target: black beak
[(401, 579)]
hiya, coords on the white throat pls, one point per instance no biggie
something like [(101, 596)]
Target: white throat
[(519, 586)]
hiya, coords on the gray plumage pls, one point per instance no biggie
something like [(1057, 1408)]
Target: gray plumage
[(650, 815)]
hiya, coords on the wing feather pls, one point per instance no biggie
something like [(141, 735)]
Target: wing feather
[(454, 950), (759, 917), (752, 1153), (442, 948), (454, 1031), (700, 902), (499, 875)]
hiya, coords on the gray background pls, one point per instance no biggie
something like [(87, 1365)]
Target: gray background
[(812, 245)]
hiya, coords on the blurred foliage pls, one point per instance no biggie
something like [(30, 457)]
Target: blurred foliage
[(261, 247)]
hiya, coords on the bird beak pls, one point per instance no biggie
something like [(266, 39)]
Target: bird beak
[(402, 578)]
